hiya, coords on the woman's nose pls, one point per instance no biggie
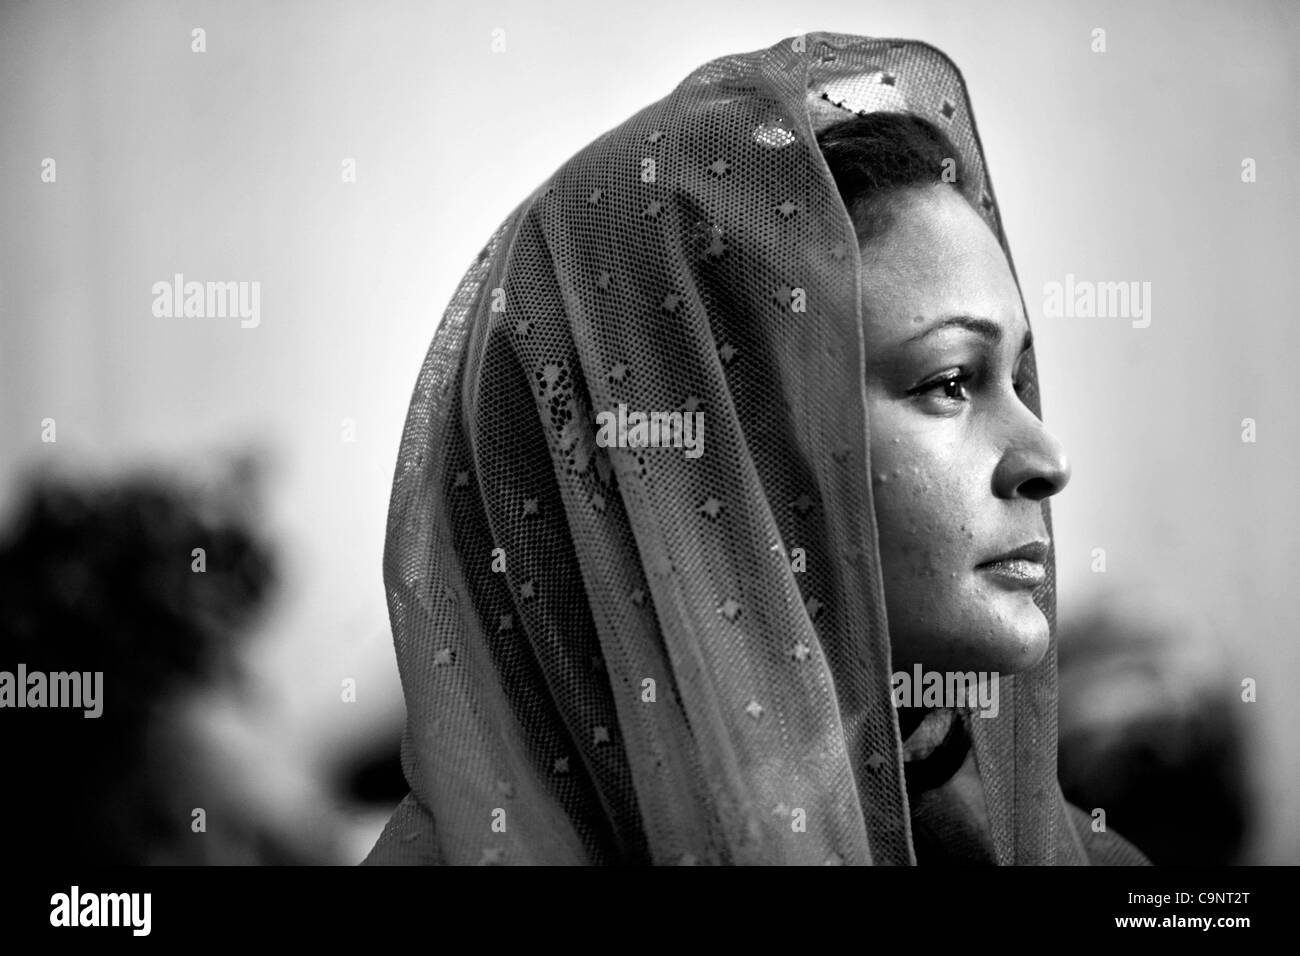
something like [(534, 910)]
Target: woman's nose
[(1033, 464)]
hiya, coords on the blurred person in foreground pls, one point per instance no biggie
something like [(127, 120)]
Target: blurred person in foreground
[(156, 584)]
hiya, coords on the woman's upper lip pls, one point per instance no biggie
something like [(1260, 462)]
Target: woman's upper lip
[(1032, 551)]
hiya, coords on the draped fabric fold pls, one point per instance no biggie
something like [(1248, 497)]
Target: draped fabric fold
[(675, 653)]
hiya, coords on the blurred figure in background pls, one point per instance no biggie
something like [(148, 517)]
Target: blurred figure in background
[(1151, 733), (106, 578)]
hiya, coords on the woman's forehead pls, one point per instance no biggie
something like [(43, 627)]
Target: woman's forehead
[(938, 257)]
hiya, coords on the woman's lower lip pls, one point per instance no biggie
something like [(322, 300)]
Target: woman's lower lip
[(1017, 572)]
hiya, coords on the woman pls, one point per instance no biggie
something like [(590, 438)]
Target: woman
[(619, 646)]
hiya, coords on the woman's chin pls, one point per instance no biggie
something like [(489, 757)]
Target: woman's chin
[(1018, 638)]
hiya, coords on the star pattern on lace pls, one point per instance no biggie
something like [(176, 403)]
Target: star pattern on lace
[(711, 508), (661, 566)]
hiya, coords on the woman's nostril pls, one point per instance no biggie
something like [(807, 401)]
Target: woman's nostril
[(1036, 489)]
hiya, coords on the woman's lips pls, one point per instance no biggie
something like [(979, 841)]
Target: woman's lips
[(1015, 572)]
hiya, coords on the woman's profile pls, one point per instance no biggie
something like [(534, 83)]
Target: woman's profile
[(733, 424)]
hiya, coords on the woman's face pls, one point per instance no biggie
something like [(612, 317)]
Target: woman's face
[(959, 463)]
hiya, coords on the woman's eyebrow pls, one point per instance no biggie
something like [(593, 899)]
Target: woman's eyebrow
[(985, 327)]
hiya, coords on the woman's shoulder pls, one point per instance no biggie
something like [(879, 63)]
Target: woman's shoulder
[(1104, 846)]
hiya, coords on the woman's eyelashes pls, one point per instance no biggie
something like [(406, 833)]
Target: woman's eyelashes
[(948, 389), (955, 387)]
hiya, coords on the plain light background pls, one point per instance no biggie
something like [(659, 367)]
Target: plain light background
[(225, 165)]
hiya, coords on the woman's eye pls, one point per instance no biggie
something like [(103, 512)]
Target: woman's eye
[(951, 386)]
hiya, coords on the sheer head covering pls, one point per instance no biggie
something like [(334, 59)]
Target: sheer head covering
[(635, 655)]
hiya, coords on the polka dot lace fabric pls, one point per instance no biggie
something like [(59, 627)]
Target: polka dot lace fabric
[(633, 655)]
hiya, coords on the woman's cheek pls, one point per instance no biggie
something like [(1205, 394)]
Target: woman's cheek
[(924, 521)]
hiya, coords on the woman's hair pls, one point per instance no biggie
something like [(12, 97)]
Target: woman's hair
[(873, 157)]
